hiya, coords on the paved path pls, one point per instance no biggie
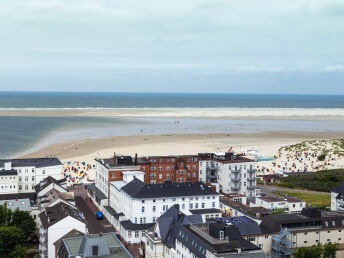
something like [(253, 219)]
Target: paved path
[(268, 189)]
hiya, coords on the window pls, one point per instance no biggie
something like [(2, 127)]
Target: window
[(160, 176), (167, 175), (135, 220), (143, 209), (113, 174), (20, 178), (181, 172), (181, 180), (154, 200), (26, 178), (160, 168), (20, 187), (183, 199), (129, 234), (173, 199), (168, 168), (213, 205), (26, 187), (143, 201), (203, 205), (222, 234), (266, 236), (33, 178), (193, 174), (251, 239), (183, 206), (191, 206), (154, 208), (196, 206), (141, 220), (43, 172), (305, 242), (136, 234), (153, 219)]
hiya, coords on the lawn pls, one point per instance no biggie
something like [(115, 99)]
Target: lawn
[(316, 200)]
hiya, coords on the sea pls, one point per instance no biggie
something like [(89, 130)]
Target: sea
[(22, 134)]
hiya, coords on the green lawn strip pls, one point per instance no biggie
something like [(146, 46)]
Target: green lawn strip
[(312, 199)]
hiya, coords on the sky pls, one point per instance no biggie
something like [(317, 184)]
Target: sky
[(229, 46)]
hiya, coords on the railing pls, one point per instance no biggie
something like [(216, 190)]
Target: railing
[(236, 179), (252, 178), (235, 188), (251, 187), (251, 170), (236, 171)]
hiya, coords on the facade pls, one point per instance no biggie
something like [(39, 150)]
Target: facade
[(157, 169), (21, 175), (54, 223), (289, 204), (233, 173), (337, 198), (178, 235), (105, 245), (134, 206)]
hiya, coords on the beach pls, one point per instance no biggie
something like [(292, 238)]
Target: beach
[(267, 144)]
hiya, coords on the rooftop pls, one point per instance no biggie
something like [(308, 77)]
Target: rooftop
[(49, 180), (11, 172), (276, 198), (59, 211), (138, 189), (105, 245), (36, 162), (21, 204), (244, 208)]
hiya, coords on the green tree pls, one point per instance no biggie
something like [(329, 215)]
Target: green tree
[(5, 215), (23, 221), (314, 251), (330, 250), (18, 252), (9, 237)]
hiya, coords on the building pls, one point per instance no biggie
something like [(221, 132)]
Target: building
[(54, 223), (232, 172), (232, 207), (178, 235), (21, 175), (337, 198), (51, 191), (157, 169), (282, 234), (289, 204), (77, 244), (134, 206)]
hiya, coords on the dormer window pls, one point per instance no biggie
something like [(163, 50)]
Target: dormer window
[(222, 234)]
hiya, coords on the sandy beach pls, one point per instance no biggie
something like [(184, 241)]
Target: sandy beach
[(267, 144), (320, 114)]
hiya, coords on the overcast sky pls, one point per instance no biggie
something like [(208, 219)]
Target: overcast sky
[(232, 46)]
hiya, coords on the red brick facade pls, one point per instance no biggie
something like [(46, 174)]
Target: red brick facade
[(171, 168)]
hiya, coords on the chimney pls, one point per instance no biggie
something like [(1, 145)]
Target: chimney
[(135, 158), (8, 165), (114, 158)]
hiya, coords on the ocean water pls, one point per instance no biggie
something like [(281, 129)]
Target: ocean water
[(22, 134), (37, 100)]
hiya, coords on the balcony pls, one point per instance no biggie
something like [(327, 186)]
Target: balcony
[(235, 188), (252, 170), (251, 178), (236, 179), (251, 187), (236, 171)]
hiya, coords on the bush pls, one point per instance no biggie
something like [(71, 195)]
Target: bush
[(322, 157)]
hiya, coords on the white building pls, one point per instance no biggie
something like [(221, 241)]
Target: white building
[(289, 204), (337, 198), (54, 223), (21, 175), (178, 235), (233, 173), (134, 206)]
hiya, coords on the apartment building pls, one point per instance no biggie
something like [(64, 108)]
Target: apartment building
[(176, 234), (289, 204), (232, 172), (157, 169), (21, 175), (134, 206), (55, 222), (337, 198)]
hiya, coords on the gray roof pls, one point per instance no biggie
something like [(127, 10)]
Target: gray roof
[(128, 225), (108, 246), (138, 189), (21, 204), (36, 162), (31, 196), (49, 180), (205, 211), (11, 172), (93, 189)]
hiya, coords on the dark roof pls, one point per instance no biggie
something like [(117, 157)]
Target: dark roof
[(339, 189), (138, 189), (205, 211), (36, 162), (31, 196), (174, 225), (309, 216), (246, 209), (47, 181), (11, 172), (276, 198), (128, 225), (59, 211), (100, 195), (112, 212)]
